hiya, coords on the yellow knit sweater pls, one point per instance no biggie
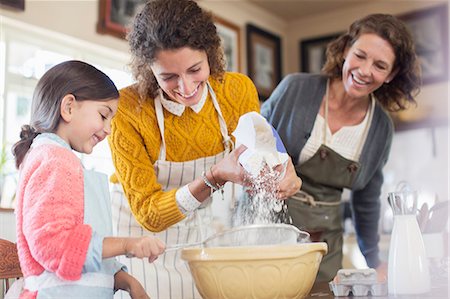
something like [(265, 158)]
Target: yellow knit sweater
[(135, 144)]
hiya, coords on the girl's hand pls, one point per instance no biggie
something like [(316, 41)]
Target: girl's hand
[(126, 282), (137, 291), (290, 184), (146, 246)]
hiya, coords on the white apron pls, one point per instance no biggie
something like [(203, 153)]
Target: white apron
[(169, 276)]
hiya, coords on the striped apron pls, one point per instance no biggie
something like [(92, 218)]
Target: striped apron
[(169, 276)]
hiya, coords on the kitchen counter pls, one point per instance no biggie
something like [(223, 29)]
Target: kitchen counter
[(321, 290)]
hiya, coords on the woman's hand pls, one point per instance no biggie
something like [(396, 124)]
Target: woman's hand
[(229, 169), (147, 246), (382, 271), (290, 184)]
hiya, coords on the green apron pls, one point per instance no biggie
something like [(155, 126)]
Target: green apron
[(316, 208)]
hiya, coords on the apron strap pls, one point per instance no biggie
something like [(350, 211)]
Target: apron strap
[(309, 199), (228, 143), (326, 113), (160, 119)]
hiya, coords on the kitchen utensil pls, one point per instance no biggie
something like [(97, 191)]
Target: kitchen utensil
[(181, 246), (422, 217), (251, 235), (438, 218), (408, 271), (173, 247), (257, 235)]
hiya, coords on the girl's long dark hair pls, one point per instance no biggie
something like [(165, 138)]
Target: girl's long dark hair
[(74, 77)]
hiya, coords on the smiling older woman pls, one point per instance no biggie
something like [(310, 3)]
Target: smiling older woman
[(338, 134)]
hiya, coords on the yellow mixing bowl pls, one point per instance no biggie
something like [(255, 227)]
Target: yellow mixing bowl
[(255, 272)]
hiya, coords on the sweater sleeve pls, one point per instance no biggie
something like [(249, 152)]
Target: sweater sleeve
[(153, 208), (276, 98), (366, 212), (292, 108), (53, 201)]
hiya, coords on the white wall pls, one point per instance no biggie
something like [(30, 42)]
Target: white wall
[(240, 13), (74, 18)]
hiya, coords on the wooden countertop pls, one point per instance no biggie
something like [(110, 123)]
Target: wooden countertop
[(321, 290)]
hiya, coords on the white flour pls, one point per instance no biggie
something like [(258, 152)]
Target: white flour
[(261, 205)]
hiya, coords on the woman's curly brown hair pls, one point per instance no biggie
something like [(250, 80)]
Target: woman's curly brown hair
[(405, 85), (168, 25)]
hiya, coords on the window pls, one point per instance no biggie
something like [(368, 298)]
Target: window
[(26, 54)]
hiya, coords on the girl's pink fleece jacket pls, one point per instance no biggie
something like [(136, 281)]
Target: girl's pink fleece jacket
[(50, 211)]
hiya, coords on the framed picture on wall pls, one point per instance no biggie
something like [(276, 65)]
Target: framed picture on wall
[(116, 15), (312, 53), (13, 4), (263, 59), (429, 28), (231, 36)]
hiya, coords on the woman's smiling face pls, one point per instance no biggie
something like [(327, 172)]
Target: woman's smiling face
[(369, 63), (182, 74)]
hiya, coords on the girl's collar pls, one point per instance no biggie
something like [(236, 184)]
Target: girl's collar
[(49, 138)]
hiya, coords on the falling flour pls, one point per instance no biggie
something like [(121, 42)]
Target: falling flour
[(260, 204)]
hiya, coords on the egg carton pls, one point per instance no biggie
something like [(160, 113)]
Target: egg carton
[(358, 282)]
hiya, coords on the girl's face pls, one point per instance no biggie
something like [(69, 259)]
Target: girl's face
[(90, 123), (182, 74), (369, 63)]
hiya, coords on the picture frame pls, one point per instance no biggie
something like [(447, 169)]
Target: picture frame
[(430, 31), (230, 35), (18, 5), (263, 59), (115, 16), (313, 53)]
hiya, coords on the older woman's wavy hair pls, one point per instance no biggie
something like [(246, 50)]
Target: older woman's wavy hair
[(168, 25), (405, 85)]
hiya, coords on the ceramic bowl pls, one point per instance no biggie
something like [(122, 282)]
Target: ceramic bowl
[(255, 272)]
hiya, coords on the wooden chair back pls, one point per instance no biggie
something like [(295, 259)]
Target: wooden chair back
[(9, 263)]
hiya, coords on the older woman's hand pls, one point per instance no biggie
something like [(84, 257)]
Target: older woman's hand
[(290, 184)]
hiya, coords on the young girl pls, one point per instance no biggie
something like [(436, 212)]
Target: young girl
[(63, 210)]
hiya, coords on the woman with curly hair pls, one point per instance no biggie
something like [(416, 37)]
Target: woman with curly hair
[(170, 139), (336, 130)]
